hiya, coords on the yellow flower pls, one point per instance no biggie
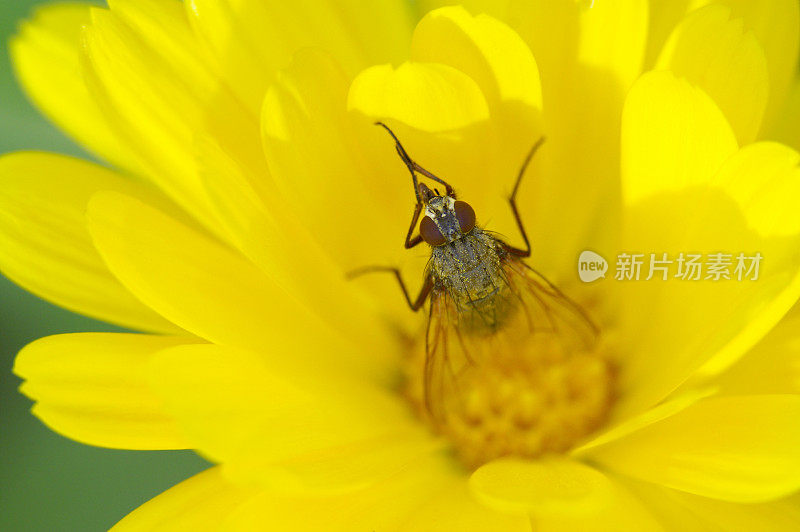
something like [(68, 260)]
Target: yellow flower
[(249, 178)]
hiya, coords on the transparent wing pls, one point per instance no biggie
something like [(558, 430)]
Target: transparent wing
[(537, 316), (546, 309)]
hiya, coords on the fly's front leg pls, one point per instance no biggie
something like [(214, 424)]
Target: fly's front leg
[(415, 304), (411, 242), (413, 166), (512, 200)]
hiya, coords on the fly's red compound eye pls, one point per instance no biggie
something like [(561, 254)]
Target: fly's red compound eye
[(430, 233), (465, 216)]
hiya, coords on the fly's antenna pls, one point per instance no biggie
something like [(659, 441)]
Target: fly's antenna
[(414, 167)]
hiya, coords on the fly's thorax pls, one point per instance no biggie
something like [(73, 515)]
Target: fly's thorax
[(469, 271)]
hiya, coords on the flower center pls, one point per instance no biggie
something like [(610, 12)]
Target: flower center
[(537, 396)]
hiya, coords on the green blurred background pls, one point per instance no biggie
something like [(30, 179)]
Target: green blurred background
[(48, 482)]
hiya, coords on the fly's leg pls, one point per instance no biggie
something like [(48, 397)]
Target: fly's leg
[(415, 304), (512, 200), (411, 242), (414, 167)]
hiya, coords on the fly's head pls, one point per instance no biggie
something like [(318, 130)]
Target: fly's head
[(446, 219)]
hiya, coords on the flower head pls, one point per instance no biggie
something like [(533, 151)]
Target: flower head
[(249, 178)]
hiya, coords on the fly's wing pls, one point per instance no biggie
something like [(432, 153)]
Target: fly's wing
[(444, 353), (534, 309), (546, 309)]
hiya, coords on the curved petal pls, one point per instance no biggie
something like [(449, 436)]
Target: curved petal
[(673, 136), (428, 96), (673, 162), (665, 15), (317, 168), (771, 366), (45, 57), (678, 510), (494, 8), (735, 448), (253, 39), (45, 246), (560, 494), (211, 291), (202, 502), (385, 505), (275, 241), (716, 54), (566, 35), (775, 24), (92, 387), (144, 67), (786, 128), (456, 508), (631, 424), (485, 49), (285, 424)]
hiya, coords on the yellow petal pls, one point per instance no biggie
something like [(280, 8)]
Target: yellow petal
[(202, 502), (560, 494), (776, 25), (678, 510), (317, 167), (287, 253), (738, 448), (663, 410), (166, 38), (715, 53), (567, 36), (771, 366), (495, 8), (430, 97), (386, 505), (146, 71), (45, 246), (577, 180), (456, 508), (92, 387), (210, 290), (285, 424), (485, 49), (253, 39), (673, 136), (665, 15), (786, 128), (673, 327), (46, 61)]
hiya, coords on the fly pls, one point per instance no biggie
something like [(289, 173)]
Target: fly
[(478, 285)]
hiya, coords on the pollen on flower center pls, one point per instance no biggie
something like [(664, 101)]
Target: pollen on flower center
[(536, 398)]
